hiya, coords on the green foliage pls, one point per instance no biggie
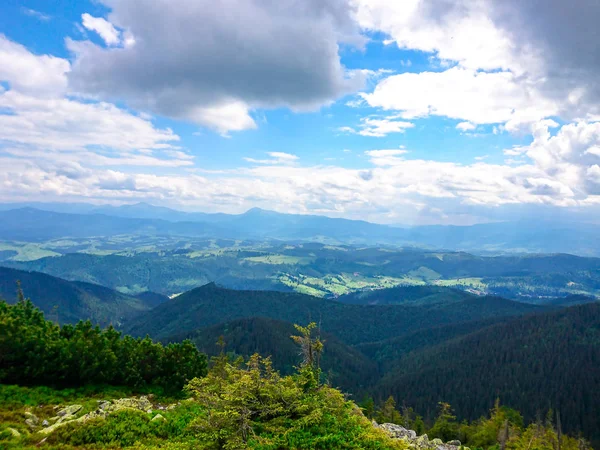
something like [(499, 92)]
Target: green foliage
[(252, 406), (122, 428), (445, 426), (342, 365), (34, 351), (530, 363), (388, 413)]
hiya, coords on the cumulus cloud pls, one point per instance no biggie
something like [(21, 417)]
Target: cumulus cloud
[(39, 122), (463, 94), (461, 31), (103, 27), (570, 157), (35, 74), (521, 48), (204, 64)]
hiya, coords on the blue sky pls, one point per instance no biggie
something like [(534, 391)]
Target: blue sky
[(411, 112)]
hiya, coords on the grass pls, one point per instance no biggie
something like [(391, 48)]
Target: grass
[(424, 273), (27, 251), (340, 284)]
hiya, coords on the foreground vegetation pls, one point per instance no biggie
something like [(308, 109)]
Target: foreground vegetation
[(35, 351), (237, 404)]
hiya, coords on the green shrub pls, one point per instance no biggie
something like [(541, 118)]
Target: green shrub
[(122, 428)]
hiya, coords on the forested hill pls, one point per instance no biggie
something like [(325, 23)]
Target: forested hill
[(211, 305), (343, 365), (71, 301), (541, 361), (406, 295)]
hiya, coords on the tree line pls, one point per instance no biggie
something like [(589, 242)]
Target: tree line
[(35, 351)]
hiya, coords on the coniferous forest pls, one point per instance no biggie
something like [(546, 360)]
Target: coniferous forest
[(504, 384)]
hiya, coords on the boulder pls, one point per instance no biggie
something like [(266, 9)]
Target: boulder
[(398, 432), (142, 403), (104, 404), (70, 410), (45, 423), (32, 418), (418, 442)]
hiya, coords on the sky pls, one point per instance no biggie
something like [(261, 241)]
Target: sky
[(399, 112)]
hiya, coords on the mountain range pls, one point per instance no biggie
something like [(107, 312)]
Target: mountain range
[(422, 344), (41, 221)]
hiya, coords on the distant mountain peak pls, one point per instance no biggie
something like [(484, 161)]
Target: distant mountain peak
[(256, 210)]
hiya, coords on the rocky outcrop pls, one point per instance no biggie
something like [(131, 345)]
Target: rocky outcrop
[(398, 432), (105, 407), (418, 442)]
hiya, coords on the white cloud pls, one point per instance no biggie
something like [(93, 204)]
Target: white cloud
[(276, 158), (461, 31), (386, 157), (557, 171), (223, 118), (466, 126), (37, 14), (103, 27), (190, 61), (570, 157), (514, 37), (40, 123), (463, 94), (378, 127), (63, 124), (26, 72)]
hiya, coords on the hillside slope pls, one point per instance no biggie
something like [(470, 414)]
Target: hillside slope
[(210, 305), (406, 295), (343, 365), (70, 301), (533, 363)]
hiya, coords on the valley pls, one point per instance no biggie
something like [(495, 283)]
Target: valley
[(418, 325)]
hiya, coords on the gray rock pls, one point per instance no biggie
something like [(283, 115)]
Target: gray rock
[(105, 407), (70, 410), (32, 418), (398, 432), (45, 423), (455, 443), (104, 404), (158, 417)]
